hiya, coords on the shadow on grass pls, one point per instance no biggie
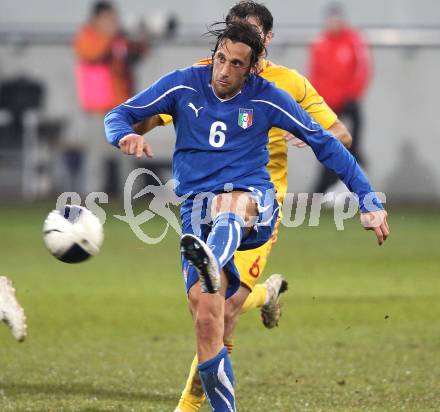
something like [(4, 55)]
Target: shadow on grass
[(86, 390)]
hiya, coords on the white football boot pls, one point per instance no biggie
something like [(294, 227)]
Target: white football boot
[(200, 255), (271, 311), (10, 310)]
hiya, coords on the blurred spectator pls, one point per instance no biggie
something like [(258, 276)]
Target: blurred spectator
[(340, 69), (105, 57)]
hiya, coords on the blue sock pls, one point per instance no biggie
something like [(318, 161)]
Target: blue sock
[(217, 379), (225, 236)]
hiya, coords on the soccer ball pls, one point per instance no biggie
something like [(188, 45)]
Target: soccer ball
[(73, 234)]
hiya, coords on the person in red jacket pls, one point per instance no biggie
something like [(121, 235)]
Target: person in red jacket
[(340, 69)]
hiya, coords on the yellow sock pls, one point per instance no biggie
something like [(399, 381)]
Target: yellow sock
[(192, 396), (256, 298)]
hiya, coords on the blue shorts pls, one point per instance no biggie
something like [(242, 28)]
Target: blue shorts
[(196, 220)]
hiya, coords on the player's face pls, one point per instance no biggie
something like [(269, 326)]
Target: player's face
[(231, 67)]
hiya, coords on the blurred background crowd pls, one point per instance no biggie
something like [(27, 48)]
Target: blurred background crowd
[(64, 65)]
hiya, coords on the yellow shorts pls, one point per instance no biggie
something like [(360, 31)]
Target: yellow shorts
[(251, 263)]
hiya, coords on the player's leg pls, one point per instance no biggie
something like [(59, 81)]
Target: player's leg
[(215, 368), (10, 310), (230, 213), (208, 314), (193, 396), (250, 264)]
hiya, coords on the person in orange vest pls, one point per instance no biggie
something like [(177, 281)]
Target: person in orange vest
[(340, 69), (105, 56)]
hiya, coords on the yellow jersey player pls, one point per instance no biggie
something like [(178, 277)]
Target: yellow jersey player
[(251, 263)]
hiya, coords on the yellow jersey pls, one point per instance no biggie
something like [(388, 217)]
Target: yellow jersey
[(300, 89)]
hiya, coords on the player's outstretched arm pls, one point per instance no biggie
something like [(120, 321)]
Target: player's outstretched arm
[(134, 144), (286, 114)]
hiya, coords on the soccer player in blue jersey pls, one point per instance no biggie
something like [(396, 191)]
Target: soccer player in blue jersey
[(222, 114)]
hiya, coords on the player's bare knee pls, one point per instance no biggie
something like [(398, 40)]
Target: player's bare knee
[(209, 308), (205, 320)]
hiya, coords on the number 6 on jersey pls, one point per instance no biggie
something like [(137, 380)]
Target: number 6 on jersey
[(216, 135)]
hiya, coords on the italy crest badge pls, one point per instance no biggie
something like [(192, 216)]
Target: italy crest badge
[(245, 118)]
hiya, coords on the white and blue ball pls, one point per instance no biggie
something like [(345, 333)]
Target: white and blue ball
[(73, 234)]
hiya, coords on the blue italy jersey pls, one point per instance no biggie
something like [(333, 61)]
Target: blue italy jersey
[(225, 141)]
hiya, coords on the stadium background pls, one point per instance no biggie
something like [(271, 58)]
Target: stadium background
[(401, 121), (360, 327)]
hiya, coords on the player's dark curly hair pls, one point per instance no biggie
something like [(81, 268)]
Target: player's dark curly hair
[(239, 31), (244, 9)]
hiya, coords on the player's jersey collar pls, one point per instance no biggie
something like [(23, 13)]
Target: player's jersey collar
[(224, 100)]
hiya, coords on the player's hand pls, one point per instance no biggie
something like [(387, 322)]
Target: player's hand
[(295, 141), (134, 144), (376, 221)]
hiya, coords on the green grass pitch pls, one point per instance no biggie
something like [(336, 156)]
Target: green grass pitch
[(360, 329)]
